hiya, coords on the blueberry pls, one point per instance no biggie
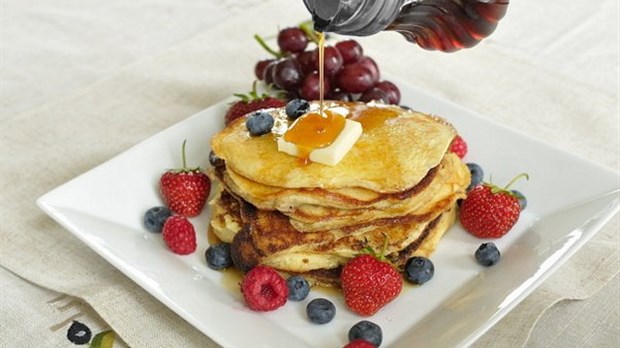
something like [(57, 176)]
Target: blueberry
[(419, 270), (298, 288), (367, 331), (521, 197), (476, 175), (218, 256), (155, 217), (214, 160), (78, 333), (259, 123), (296, 108), (487, 254), (320, 311)]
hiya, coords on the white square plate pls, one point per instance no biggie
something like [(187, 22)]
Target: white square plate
[(104, 208)]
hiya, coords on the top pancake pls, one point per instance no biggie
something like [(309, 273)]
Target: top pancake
[(396, 150)]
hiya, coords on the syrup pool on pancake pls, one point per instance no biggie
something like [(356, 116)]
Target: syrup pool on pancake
[(326, 130)]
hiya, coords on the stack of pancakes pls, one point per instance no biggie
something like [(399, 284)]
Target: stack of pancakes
[(395, 191)]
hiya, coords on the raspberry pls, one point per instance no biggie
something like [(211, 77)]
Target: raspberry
[(179, 235), (459, 147), (264, 289)]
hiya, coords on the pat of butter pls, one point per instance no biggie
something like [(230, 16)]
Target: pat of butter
[(332, 154)]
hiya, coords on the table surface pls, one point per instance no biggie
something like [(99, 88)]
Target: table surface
[(59, 48)]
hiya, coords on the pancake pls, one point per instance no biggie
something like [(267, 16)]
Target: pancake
[(283, 199), (267, 237), (449, 184), (397, 149), (424, 245), (448, 179), (225, 219), (394, 192)]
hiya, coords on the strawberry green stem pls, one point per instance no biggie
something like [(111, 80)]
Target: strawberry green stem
[(183, 154), (384, 247), (266, 47), (253, 93), (522, 175)]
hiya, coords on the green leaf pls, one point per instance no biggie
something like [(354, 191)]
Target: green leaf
[(103, 339)]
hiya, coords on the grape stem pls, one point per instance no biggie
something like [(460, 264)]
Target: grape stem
[(266, 47), (308, 28)]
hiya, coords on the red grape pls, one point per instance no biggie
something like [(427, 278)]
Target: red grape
[(259, 69), (349, 74), (350, 50), (287, 74), (292, 40), (268, 72), (309, 89), (337, 94), (332, 60), (308, 61), (390, 89), (290, 95), (376, 94), (372, 66), (354, 78)]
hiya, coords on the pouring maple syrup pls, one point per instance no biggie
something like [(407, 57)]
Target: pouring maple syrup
[(445, 25), (321, 45)]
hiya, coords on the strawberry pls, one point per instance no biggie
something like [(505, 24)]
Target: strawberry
[(368, 284), (179, 235), (459, 146), (185, 190), (251, 102), (490, 211), (359, 343)]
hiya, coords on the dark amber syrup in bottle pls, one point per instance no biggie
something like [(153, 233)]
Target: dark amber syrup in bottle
[(448, 25)]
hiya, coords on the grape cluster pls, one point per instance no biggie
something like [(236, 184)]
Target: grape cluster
[(349, 75)]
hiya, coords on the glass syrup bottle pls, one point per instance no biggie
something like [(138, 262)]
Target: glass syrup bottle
[(445, 25)]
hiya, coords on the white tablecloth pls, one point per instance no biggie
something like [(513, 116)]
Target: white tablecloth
[(64, 59)]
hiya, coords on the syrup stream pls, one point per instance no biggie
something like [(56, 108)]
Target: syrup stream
[(321, 71)]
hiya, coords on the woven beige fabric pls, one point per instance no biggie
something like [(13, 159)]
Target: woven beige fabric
[(45, 147)]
